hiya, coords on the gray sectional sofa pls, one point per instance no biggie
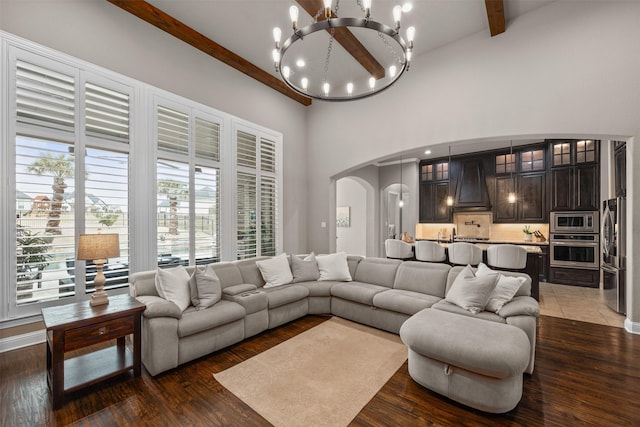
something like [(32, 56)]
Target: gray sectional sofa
[(384, 293)]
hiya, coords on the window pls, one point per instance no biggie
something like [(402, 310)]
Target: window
[(79, 157), (71, 177), (256, 195), (188, 188)]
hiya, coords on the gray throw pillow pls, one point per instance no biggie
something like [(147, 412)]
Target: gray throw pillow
[(506, 288), (205, 288), (471, 292), (304, 270)]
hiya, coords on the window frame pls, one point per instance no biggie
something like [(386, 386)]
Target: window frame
[(142, 168)]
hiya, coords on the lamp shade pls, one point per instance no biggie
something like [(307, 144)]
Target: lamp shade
[(98, 246)]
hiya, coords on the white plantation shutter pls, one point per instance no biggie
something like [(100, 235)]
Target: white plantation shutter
[(268, 215), (173, 130), (246, 215), (107, 113), (207, 139), (246, 149), (44, 97), (267, 155)]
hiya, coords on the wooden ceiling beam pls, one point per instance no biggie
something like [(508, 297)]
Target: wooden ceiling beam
[(495, 14), (167, 23), (347, 40)]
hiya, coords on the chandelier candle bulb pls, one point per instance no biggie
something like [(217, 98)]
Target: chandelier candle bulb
[(327, 8), (366, 4), (277, 34), (397, 14), (293, 14), (286, 72), (305, 83), (392, 71), (372, 83), (350, 88), (325, 89), (411, 33), (276, 57)]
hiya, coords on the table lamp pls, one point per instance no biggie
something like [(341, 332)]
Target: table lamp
[(97, 248)]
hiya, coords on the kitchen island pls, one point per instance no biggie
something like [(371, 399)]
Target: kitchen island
[(534, 253)]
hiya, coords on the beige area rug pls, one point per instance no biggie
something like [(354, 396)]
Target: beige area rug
[(321, 377)]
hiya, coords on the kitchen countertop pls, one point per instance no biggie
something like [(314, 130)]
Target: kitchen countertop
[(531, 247)]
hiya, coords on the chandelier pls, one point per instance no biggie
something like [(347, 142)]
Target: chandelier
[(374, 56)]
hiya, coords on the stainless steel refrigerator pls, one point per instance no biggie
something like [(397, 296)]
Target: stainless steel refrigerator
[(614, 259)]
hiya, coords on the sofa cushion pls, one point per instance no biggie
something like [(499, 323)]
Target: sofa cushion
[(204, 287), (319, 289), (424, 277), (401, 301), (285, 294), (275, 271), (304, 270), (249, 270), (334, 267), (159, 307), (505, 290), (239, 289), (452, 308), (471, 292), (520, 306), (221, 313), (377, 271), (228, 273), (357, 291), (173, 285)]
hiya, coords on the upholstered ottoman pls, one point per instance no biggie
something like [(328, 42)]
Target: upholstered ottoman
[(476, 362)]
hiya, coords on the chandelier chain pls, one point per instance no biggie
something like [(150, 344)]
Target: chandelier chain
[(361, 5), (392, 50), (326, 62)]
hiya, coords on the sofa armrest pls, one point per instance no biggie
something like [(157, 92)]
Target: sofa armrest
[(520, 306), (159, 307), (238, 289)]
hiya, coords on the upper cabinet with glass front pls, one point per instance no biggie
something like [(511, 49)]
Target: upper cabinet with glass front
[(575, 175)]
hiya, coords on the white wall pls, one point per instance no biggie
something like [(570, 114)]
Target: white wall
[(566, 69), (103, 34), (352, 239)]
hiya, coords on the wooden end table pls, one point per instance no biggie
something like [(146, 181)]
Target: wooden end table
[(78, 325)]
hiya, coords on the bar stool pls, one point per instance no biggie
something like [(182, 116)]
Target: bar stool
[(464, 253), (430, 251), (398, 249), (507, 256)]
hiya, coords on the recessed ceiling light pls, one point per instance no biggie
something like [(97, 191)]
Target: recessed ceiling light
[(300, 63), (407, 7), (427, 152)]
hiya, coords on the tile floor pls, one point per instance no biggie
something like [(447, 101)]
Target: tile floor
[(577, 303)]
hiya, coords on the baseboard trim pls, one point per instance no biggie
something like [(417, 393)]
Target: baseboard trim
[(631, 327), (24, 340)]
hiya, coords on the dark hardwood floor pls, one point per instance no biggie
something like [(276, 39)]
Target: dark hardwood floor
[(585, 374)]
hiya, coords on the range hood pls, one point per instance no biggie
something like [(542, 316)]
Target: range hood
[(471, 187)]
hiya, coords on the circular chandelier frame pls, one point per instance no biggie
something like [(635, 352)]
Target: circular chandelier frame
[(328, 24)]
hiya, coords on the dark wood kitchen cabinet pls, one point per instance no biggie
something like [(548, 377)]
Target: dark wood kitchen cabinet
[(575, 175), (434, 190), (528, 183), (532, 206)]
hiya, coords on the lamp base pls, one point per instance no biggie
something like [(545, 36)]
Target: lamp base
[(99, 298)]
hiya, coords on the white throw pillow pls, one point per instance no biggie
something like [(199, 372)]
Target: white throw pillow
[(334, 267), (505, 290), (275, 271), (205, 287), (483, 270), (172, 284), (471, 292)]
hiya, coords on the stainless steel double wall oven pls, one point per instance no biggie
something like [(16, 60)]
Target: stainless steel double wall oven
[(574, 240)]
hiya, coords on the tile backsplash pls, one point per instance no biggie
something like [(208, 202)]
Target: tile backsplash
[(466, 225)]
